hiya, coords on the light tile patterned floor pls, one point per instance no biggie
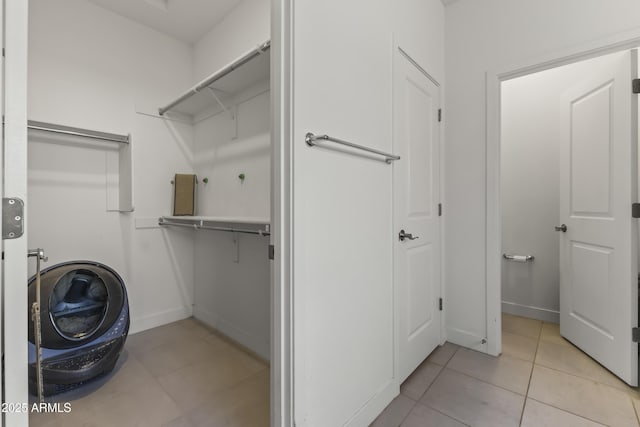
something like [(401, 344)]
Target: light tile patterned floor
[(178, 375), (183, 375), (541, 380)]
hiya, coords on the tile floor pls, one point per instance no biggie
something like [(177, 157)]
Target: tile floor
[(540, 380), (178, 375), (184, 375)]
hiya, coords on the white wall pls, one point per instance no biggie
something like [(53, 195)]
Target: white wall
[(234, 296), (530, 195), (93, 69), (418, 26), (232, 280), (231, 296), (226, 148), (232, 283), (342, 203), (530, 148), (480, 37), (244, 28)]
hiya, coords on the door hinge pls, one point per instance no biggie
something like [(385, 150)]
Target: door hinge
[(440, 304), (272, 252), (439, 114), (635, 85), (439, 209), (12, 218), (635, 334), (635, 210)]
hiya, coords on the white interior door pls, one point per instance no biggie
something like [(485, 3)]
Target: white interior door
[(598, 259), (416, 214)]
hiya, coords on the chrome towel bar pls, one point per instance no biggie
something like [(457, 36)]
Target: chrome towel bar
[(312, 140)]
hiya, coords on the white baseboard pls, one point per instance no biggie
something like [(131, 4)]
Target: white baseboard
[(466, 339), (537, 313), (259, 345), (139, 324)]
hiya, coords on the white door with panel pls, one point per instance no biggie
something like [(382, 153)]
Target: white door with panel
[(598, 237), (416, 212)]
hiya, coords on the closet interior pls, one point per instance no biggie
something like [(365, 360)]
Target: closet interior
[(121, 103), (230, 115)]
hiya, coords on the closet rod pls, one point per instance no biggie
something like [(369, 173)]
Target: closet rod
[(235, 230), (217, 76), (197, 226), (86, 133)]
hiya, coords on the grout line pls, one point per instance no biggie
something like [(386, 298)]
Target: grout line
[(486, 382), (440, 412), (213, 332), (568, 412), (409, 411), (244, 377), (520, 336), (566, 373), (416, 402), (533, 364), (627, 392), (452, 356), (496, 385), (435, 379), (622, 386)]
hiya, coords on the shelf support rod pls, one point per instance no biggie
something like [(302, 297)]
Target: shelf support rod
[(220, 103), (212, 79)]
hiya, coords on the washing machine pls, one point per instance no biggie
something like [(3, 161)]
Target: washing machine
[(84, 316)]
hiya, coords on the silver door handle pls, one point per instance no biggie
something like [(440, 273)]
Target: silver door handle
[(402, 235), (562, 228)]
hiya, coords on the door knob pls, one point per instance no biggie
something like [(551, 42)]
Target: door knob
[(402, 235), (562, 228)]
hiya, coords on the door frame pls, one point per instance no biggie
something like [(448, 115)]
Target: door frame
[(400, 52), (14, 96), (282, 333), (494, 78), (14, 184)]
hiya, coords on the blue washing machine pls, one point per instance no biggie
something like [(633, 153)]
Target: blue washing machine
[(84, 317)]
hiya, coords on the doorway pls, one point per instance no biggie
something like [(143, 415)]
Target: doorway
[(568, 255)]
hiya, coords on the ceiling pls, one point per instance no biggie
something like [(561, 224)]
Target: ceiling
[(186, 20)]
